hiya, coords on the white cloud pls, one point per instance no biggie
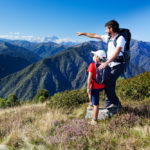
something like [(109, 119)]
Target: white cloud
[(16, 33), (19, 36), (64, 40), (4, 36)]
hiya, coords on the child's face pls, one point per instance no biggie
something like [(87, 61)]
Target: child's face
[(95, 58)]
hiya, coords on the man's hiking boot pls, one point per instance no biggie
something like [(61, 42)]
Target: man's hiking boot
[(113, 109), (114, 106)]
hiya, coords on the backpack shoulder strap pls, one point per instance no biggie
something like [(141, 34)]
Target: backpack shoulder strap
[(93, 78), (96, 66), (115, 40), (108, 39)]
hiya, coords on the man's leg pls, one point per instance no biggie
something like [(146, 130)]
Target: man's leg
[(111, 85)]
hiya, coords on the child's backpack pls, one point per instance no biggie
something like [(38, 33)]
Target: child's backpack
[(102, 75), (126, 54)]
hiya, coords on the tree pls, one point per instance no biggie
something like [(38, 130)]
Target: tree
[(42, 99), (44, 93), (12, 100), (3, 103)]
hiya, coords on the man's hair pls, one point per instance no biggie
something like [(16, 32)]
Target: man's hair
[(113, 24)]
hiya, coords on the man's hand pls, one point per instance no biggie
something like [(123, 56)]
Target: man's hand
[(80, 33), (103, 65)]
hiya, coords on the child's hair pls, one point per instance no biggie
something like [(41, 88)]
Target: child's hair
[(101, 60)]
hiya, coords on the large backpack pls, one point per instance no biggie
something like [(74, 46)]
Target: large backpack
[(126, 54), (102, 75)]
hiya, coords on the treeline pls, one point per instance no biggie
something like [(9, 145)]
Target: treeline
[(41, 96)]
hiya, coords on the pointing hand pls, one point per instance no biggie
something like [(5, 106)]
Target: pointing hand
[(79, 33)]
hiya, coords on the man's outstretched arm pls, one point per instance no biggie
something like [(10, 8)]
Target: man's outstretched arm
[(91, 35)]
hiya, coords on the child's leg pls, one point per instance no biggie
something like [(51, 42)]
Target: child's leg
[(96, 110), (90, 107), (95, 101), (90, 99)]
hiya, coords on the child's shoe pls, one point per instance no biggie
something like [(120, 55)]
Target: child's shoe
[(93, 122)]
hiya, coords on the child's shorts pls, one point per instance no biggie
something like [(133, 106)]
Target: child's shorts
[(95, 96)]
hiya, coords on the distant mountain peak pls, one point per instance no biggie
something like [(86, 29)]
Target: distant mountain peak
[(39, 39)]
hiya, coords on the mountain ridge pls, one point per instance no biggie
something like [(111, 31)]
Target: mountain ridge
[(44, 49), (16, 51)]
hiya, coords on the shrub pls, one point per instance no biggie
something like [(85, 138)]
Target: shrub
[(135, 88), (12, 100), (40, 93), (3, 103), (69, 99), (42, 99)]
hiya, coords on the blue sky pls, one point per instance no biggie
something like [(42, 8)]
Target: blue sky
[(63, 18)]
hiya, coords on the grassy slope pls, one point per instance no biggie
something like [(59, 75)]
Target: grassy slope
[(36, 126), (66, 70)]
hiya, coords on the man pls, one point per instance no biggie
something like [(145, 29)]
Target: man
[(117, 68)]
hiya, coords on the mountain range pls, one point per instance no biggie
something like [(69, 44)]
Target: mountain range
[(64, 71), (33, 39), (17, 51), (67, 70), (14, 58), (44, 50), (9, 64), (140, 54)]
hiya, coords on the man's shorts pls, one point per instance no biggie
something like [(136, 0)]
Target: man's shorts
[(95, 96)]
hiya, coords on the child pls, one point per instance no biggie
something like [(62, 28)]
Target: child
[(93, 88)]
